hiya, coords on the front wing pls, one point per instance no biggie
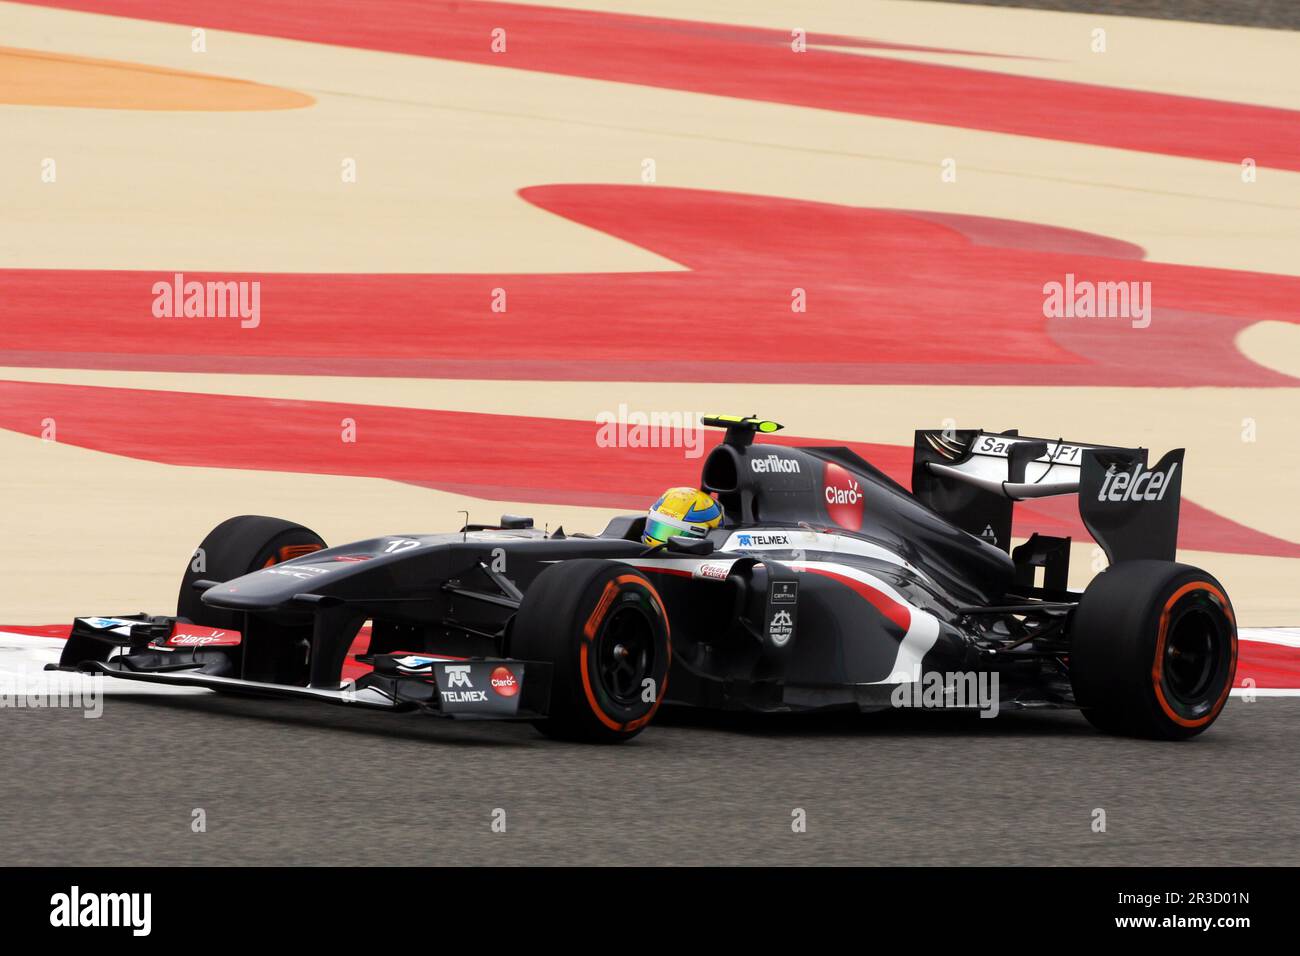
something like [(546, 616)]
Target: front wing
[(163, 650)]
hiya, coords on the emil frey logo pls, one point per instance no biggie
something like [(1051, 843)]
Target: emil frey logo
[(781, 627), (844, 498), (1138, 485)]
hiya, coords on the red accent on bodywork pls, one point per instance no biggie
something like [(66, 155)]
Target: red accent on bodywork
[(843, 495), (899, 614), (196, 635)]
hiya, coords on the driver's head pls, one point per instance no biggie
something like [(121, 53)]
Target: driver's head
[(687, 511)]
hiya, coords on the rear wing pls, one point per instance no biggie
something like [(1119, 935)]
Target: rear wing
[(973, 479)]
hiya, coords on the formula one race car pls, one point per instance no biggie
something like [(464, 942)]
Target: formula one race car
[(827, 585)]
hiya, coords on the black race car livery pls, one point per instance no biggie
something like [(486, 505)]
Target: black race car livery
[(827, 585)]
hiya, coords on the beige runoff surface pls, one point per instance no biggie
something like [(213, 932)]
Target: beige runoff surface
[(155, 513), (83, 532), (1210, 422), (1241, 64), (442, 148), (441, 151), (89, 533)]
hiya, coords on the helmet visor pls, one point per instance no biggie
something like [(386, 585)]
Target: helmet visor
[(661, 527)]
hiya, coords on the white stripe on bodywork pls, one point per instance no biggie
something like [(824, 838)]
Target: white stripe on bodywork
[(802, 540), (706, 569), (923, 627), (922, 632)]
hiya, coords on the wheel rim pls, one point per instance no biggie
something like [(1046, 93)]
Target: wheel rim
[(625, 654), (1196, 658), (1189, 655)]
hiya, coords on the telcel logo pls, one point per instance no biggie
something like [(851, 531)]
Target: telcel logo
[(1138, 485)]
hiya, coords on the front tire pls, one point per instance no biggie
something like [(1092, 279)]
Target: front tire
[(1153, 650), (236, 547), (604, 628)]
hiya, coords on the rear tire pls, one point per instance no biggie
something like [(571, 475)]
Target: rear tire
[(1153, 650), (236, 547), (604, 628)]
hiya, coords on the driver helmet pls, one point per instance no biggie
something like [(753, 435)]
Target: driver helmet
[(687, 511)]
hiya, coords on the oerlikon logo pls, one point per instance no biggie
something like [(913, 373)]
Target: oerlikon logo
[(844, 497)]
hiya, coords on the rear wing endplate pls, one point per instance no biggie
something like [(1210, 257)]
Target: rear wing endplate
[(973, 479)]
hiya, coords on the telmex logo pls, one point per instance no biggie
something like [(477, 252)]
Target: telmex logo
[(458, 675), (751, 540), (774, 464), (1138, 485)]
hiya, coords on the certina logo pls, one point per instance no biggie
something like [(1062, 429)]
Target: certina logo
[(762, 540), (1138, 485), (458, 676), (774, 464), (76, 909), (844, 497), (504, 682)]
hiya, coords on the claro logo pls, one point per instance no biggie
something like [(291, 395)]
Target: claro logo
[(844, 498), (1137, 485), (504, 682)]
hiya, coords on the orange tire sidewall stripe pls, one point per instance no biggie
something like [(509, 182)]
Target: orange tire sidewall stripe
[(589, 633), (1157, 667), (289, 552)]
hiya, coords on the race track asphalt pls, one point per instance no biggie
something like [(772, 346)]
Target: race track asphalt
[(302, 783)]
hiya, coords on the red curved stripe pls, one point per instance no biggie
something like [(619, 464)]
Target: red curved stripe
[(892, 297), (501, 457), (755, 64), (899, 614)]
